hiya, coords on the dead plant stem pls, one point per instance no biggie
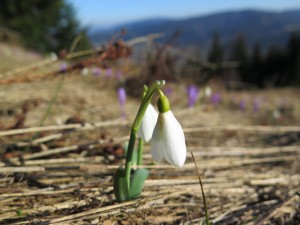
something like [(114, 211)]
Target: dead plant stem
[(203, 195)]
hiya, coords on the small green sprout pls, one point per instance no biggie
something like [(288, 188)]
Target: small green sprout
[(19, 212)]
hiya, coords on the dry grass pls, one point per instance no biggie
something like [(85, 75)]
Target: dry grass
[(62, 173)]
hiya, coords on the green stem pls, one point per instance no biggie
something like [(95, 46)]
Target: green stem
[(129, 156), (204, 203), (202, 190), (140, 152), (160, 92), (136, 125)]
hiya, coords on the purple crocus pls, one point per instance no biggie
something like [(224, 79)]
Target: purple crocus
[(96, 72), (215, 98), (63, 67), (168, 91), (193, 92), (108, 72), (256, 105), (122, 100), (242, 105)]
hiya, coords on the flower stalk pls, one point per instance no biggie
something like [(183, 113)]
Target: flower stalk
[(167, 142), (140, 152), (123, 175), (137, 123)]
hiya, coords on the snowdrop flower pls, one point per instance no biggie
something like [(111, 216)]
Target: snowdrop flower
[(53, 56), (276, 114), (168, 141), (148, 123), (85, 72), (207, 91)]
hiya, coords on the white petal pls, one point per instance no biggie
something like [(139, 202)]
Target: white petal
[(207, 91), (148, 123), (168, 140), (156, 143)]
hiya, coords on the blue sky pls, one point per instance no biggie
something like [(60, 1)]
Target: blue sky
[(105, 13)]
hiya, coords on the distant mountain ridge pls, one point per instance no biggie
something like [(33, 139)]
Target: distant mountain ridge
[(266, 27)]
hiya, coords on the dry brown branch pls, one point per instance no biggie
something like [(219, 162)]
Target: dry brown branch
[(121, 122), (270, 129), (207, 165), (47, 191), (97, 159), (51, 208), (40, 63), (93, 211), (264, 218), (241, 151), (86, 126), (199, 151), (103, 54), (50, 152)]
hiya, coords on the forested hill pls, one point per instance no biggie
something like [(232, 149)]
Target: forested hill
[(267, 28)]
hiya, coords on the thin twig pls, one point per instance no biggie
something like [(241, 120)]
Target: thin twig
[(272, 129), (274, 211), (202, 190), (86, 126)]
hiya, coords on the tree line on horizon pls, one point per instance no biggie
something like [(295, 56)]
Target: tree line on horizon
[(278, 66), (43, 25)]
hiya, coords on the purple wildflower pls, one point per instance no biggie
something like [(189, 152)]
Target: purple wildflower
[(193, 92), (242, 105), (256, 105), (168, 91), (122, 99), (122, 95), (215, 98), (108, 72), (63, 67), (96, 72)]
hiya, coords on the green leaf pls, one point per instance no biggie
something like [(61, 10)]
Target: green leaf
[(137, 182), (19, 212), (120, 185)]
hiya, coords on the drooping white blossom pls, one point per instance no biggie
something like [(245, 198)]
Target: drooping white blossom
[(148, 123), (207, 91), (85, 72), (168, 141)]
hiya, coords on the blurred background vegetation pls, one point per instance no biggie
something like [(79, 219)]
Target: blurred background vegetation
[(52, 26), (42, 25)]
